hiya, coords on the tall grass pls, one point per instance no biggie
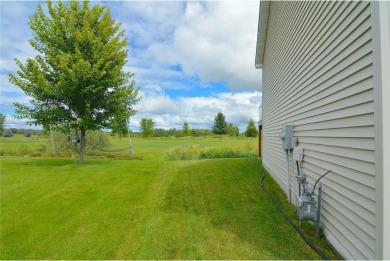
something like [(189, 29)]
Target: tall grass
[(194, 152), (105, 146), (191, 152)]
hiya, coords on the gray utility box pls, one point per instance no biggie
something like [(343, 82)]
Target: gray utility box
[(307, 208), (287, 136)]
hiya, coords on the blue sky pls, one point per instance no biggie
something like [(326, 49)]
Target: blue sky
[(191, 59)]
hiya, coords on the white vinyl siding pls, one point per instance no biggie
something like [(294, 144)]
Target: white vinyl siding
[(318, 76)]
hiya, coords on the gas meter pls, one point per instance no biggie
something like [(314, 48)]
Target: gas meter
[(307, 206)]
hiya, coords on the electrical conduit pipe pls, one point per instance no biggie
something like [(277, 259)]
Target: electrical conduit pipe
[(288, 177)]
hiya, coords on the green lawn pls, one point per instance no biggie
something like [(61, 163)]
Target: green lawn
[(144, 148), (155, 148), (143, 209)]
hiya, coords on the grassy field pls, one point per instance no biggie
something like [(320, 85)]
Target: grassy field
[(144, 148), (145, 209)]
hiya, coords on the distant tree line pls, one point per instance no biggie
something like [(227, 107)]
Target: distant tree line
[(220, 127), (173, 132), (25, 132), (148, 130)]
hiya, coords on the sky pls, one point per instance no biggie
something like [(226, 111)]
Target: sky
[(191, 59)]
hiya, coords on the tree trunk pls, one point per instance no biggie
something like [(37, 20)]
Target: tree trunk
[(82, 145)]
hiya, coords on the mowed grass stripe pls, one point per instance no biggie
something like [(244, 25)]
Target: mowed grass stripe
[(208, 209), (133, 245)]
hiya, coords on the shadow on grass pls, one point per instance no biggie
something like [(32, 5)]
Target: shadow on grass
[(50, 162)]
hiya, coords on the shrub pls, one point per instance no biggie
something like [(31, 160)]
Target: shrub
[(195, 153), (183, 153), (24, 150), (224, 154), (42, 149)]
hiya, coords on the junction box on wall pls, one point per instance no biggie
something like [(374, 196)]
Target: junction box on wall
[(287, 136)]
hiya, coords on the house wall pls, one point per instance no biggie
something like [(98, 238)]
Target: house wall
[(318, 76)]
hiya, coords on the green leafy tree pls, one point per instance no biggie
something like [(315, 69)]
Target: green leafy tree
[(220, 126), (2, 123), (147, 127), (77, 79), (119, 127), (251, 130), (233, 130), (186, 129), (179, 134), (159, 132)]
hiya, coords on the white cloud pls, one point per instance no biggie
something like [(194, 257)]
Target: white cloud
[(256, 99), (147, 22), (154, 101), (172, 46), (216, 41), (198, 112), (15, 34), (11, 122)]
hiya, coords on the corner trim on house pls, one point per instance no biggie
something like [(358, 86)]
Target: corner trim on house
[(381, 56)]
